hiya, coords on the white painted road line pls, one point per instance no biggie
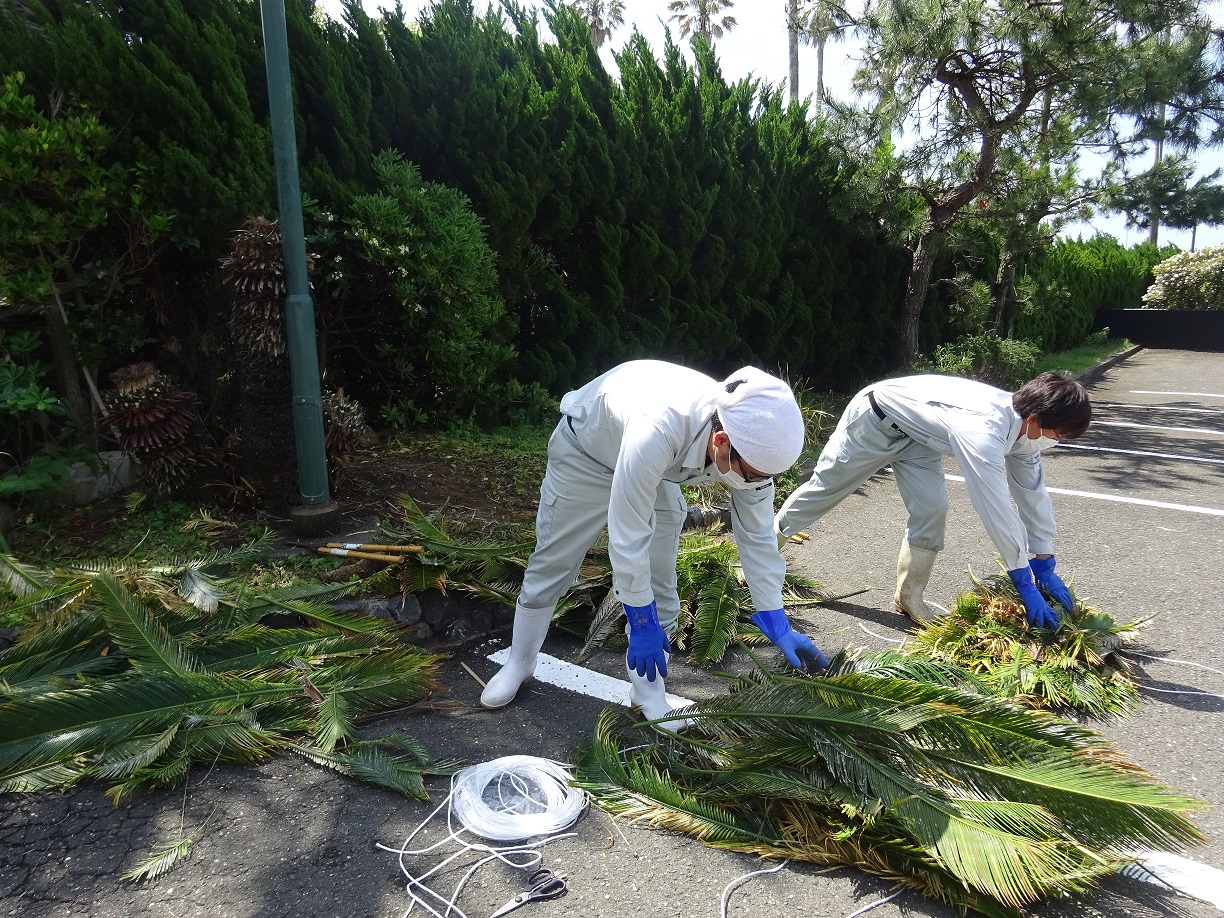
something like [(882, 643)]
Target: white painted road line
[(584, 681), (1139, 452), (1158, 867), (1159, 392), (1129, 405), (1204, 430), (1181, 873), (1119, 499)]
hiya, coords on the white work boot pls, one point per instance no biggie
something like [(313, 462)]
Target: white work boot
[(650, 700), (913, 571), (530, 628)]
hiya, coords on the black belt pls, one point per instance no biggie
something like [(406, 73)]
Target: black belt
[(879, 413)]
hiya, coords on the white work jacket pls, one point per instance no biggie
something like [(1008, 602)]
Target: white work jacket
[(648, 422), (977, 425)]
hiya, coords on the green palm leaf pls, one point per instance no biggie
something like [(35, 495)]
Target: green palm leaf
[(372, 763), (138, 632), (714, 621), (21, 579), (607, 621), (163, 860)]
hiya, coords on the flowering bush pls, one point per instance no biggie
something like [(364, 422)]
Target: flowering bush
[(1188, 280)]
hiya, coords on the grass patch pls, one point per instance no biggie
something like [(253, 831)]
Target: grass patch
[(1078, 359)]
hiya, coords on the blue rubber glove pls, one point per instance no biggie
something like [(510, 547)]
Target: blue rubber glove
[(1040, 615), (648, 647), (797, 647), (1043, 570)]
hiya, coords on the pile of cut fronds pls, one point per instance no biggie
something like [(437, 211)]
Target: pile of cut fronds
[(129, 673), (490, 570), (715, 604), (889, 765), (1080, 667)]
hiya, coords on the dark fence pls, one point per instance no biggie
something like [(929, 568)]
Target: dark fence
[(1191, 330)]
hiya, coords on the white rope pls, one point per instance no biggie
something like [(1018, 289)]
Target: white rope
[(739, 881), (1169, 691), (1151, 656), (867, 908), (515, 798), (880, 636)]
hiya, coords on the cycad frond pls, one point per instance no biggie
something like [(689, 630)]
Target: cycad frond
[(161, 860), (21, 579), (607, 621), (373, 763), (719, 603), (135, 628)]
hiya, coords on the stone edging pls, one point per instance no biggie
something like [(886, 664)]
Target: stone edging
[(1097, 370)]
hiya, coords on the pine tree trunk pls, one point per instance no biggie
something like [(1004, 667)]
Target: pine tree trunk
[(916, 290), (1004, 293)]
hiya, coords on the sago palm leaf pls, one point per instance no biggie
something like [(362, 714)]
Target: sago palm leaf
[(44, 776), (320, 612), (376, 763), (257, 648), (21, 579), (607, 621), (974, 801), (161, 861), (136, 630), (718, 606)]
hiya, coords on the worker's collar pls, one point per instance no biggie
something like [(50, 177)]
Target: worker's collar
[(695, 457)]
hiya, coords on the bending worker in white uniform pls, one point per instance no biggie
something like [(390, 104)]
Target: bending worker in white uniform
[(625, 443), (996, 438)]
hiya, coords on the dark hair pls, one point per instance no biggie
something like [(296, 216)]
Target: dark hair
[(1057, 401)]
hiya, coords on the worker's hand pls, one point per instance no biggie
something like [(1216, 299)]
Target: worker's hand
[(648, 647), (796, 647), (1043, 570), (798, 538), (1040, 615)]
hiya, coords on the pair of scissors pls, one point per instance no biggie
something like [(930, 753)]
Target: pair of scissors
[(543, 884)]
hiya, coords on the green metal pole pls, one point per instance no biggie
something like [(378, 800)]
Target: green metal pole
[(299, 307)]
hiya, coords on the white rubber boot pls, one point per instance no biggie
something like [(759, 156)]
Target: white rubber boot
[(914, 567), (650, 700), (530, 629)]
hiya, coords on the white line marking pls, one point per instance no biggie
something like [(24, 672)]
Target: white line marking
[(1139, 452), (584, 681), (1128, 405), (1117, 498), (1159, 867), (1206, 430), (1161, 392), (1181, 873)]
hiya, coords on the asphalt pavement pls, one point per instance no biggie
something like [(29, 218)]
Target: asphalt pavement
[(1141, 529)]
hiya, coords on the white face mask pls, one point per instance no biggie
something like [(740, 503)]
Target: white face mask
[(1043, 443), (735, 480)]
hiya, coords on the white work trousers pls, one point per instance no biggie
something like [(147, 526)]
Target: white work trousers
[(860, 446), (574, 510)]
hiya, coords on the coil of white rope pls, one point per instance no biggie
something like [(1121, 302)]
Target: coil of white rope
[(515, 798)]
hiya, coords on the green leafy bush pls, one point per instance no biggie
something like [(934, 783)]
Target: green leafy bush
[(426, 284), (1001, 362), (1188, 280)]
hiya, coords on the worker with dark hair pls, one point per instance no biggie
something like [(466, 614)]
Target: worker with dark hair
[(996, 438)]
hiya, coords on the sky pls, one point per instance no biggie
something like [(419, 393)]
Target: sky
[(757, 46)]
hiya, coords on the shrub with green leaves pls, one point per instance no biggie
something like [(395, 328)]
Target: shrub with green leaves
[(1001, 362), (1188, 280)]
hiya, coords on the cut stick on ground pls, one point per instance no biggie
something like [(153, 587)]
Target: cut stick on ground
[(368, 555), (369, 546)]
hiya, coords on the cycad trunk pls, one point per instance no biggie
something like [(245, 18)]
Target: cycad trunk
[(792, 43), (269, 459)]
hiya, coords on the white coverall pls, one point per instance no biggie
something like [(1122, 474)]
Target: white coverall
[(926, 418), (626, 442)]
